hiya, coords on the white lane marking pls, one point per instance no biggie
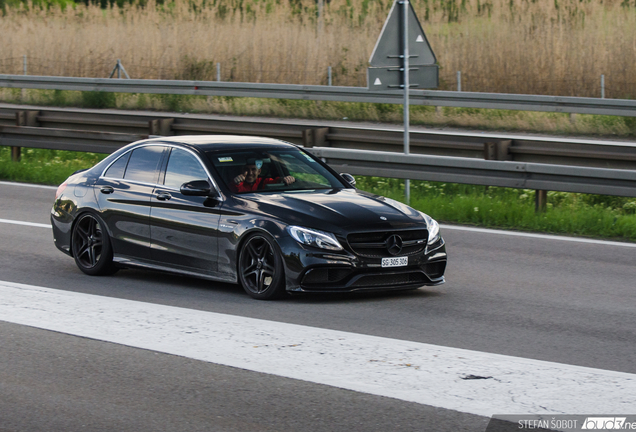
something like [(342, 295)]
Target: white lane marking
[(537, 236), (28, 185), (411, 371), (33, 224)]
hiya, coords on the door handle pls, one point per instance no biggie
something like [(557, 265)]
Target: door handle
[(163, 196), (107, 190)]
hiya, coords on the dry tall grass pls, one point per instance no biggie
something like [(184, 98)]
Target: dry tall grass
[(516, 46)]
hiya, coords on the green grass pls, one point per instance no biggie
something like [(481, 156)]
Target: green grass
[(50, 167)]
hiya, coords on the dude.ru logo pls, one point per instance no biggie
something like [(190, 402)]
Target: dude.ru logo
[(604, 423)]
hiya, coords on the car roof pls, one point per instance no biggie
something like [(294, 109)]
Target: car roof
[(220, 142)]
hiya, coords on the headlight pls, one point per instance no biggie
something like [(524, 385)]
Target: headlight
[(433, 228), (433, 231), (312, 237)]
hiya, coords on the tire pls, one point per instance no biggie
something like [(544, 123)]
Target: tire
[(91, 246), (260, 268)]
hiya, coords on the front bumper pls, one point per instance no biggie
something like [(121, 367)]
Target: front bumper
[(314, 270)]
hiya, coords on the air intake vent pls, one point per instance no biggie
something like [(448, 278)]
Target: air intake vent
[(325, 275)]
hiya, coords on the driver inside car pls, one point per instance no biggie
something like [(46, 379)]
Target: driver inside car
[(249, 180)]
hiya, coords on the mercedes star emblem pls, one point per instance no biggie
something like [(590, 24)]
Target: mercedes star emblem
[(394, 244)]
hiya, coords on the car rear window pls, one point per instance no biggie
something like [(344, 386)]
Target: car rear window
[(143, 165), (117, 169)]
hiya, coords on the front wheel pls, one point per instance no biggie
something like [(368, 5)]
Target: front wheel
[(260, 268), (92, 250)]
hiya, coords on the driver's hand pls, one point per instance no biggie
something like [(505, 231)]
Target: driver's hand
[(239, 178), (289, 180)]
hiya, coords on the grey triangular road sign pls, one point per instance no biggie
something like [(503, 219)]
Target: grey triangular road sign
[(377, 82), (389, 46)]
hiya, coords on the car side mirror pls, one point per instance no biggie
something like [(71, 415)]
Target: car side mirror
[(197, 188), (349, 178)]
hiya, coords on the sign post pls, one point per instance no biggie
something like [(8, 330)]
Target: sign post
[(406, 109), (402, 39)]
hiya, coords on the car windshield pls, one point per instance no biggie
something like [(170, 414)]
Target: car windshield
[(248, 171)]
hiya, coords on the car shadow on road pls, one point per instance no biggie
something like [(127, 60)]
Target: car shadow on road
[(365, 296), (160, 281)]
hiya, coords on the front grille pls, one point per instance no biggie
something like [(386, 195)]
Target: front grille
[(373, 244), (390, 280)]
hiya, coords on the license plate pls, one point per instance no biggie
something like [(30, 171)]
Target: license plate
[(395, 262)]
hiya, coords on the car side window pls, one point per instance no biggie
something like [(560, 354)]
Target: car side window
[(143, 165), (183, 167), (117, 169)]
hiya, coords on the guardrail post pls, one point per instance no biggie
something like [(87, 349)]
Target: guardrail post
[(602, 86), (573, 118), (23, 118), (161, 127), (27, 118), (315, 137), (23, 91), (540, 200), (499, 150), (16, 154), (490, 151)]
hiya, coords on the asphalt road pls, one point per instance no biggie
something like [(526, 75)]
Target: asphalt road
[(536, 298)]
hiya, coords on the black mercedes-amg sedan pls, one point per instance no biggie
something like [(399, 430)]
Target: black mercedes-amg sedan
[(255, 211)]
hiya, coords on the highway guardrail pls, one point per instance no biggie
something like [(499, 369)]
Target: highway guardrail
[(481, 172), (590, 166), (491, 146), (564, 104)]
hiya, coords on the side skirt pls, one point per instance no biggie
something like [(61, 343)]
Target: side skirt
[(124, 261)]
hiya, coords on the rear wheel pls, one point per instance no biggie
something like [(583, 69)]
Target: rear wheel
[(260, 268), (92, 250)]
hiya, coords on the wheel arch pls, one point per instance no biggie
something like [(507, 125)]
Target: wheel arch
[(247, 234), (251, 233)]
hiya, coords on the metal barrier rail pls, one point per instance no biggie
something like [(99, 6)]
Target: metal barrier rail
[(64, 139), (437, 156), (384, 164), (617, 107), (135, 125), (481, 172)]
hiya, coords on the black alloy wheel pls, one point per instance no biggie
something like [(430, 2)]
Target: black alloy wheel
[(260, 268), (91, 246)]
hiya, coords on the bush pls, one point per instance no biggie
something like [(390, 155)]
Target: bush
[(98, 99)]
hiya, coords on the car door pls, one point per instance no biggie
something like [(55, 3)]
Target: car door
[(184, 229), (123, 193)]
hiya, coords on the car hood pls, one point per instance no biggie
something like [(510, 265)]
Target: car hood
[(338, 210)]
